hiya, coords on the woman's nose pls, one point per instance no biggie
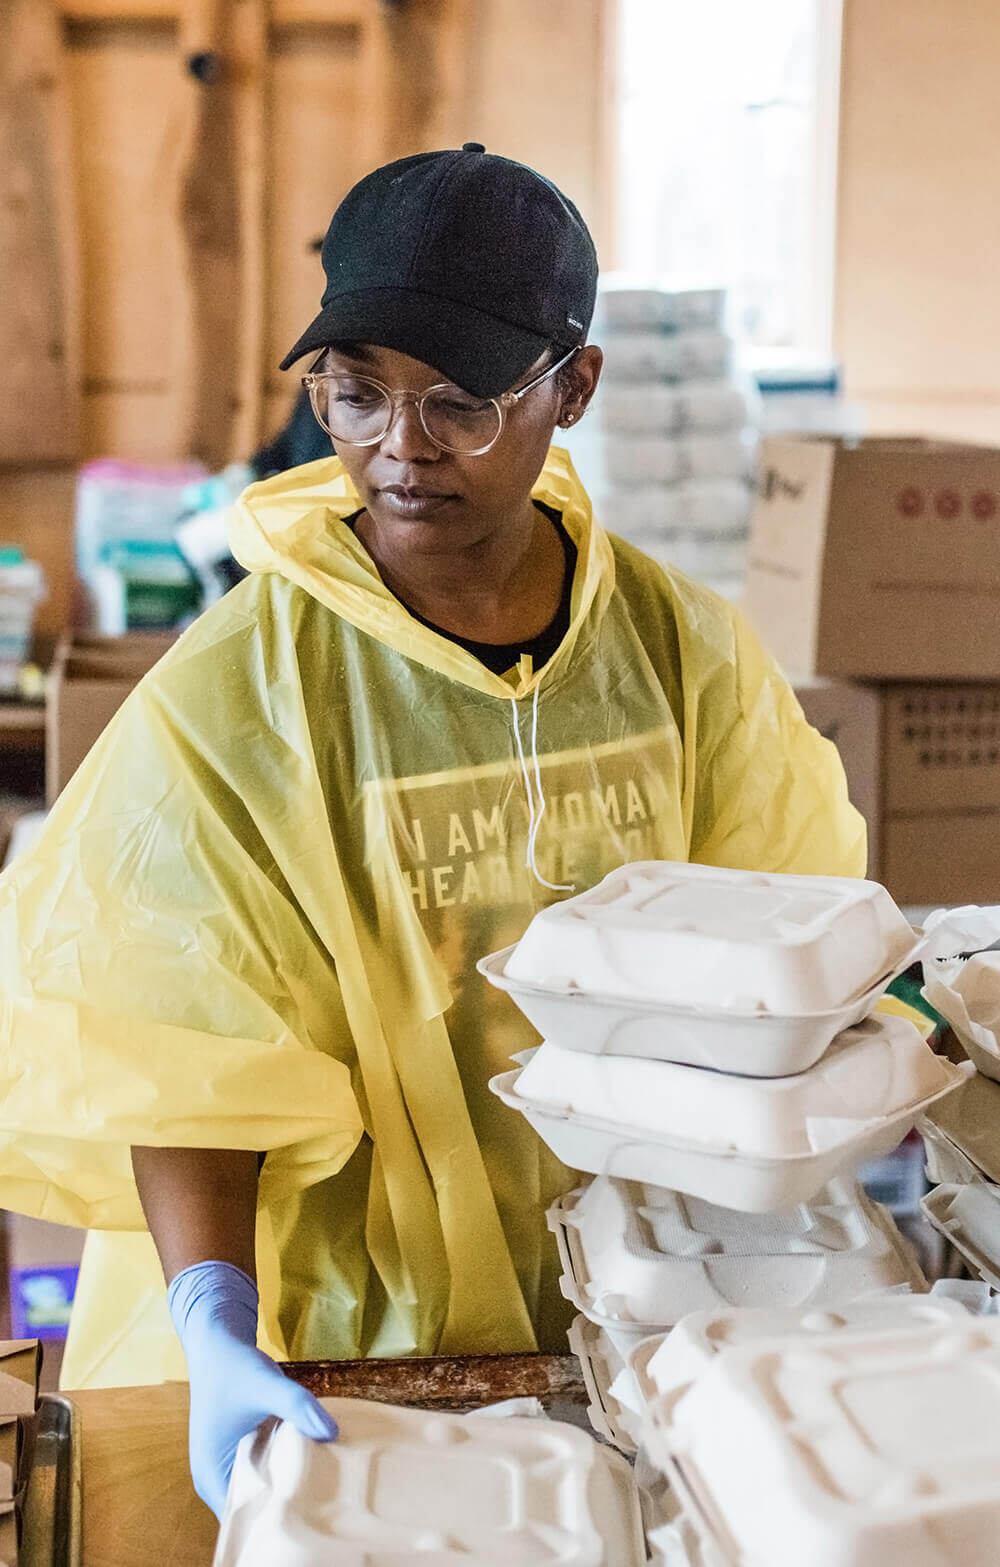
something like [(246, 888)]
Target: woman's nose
[(406, 439)]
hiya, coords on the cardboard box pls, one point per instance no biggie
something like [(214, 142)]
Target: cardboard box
[(20, 1369), (879, 560), (90, 679), (850, 715), (940, 830), (923, 768), (8, 1535)]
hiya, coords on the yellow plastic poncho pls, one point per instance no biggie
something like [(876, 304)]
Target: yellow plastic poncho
[(253, 918)]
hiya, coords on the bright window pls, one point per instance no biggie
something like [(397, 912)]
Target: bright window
[(727, 156)]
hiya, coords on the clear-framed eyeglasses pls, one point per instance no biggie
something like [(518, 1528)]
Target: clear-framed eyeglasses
[(357, 410)]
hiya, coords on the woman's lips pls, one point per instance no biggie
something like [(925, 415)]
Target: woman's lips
[(412, 503)]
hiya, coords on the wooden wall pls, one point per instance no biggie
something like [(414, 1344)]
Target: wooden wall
[(918, 306), (157, 222)]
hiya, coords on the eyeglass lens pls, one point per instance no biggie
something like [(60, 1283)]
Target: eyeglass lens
[(357, 411)]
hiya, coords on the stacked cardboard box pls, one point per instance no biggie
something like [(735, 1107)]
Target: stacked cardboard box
[(874, 576)]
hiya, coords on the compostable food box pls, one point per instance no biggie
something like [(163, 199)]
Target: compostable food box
[(878, 559), (90, 679)]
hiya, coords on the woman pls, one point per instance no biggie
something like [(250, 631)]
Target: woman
[(241, 961)]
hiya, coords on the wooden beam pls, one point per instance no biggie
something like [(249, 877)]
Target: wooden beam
[(119, 10), (249, 47), (427, 73), (39, 322), (207, 306)]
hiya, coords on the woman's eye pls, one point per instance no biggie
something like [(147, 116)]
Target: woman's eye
[(455, 402), (359, 398)]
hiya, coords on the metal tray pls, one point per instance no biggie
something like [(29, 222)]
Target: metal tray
[(52, 1517)]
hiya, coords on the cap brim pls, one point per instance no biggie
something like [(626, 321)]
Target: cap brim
[(482, 355)]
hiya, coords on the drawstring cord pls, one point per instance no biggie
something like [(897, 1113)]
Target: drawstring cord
[(534, 817)]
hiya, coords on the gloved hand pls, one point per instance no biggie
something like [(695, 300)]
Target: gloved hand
[(233, 1385)]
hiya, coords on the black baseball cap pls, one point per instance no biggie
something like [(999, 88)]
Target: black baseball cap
[(467, 261)]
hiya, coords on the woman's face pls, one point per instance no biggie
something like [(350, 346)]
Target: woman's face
[(424, 498)]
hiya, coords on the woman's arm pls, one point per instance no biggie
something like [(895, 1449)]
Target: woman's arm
[(200, 1205)]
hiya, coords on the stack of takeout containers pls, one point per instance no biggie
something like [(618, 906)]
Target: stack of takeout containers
[(853, 1438), (962, 1134), (636, 1260), (712, 1057), (711, 1031), (674, 427)]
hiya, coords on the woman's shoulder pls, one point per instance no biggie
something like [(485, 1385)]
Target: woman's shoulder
[(262, 611)]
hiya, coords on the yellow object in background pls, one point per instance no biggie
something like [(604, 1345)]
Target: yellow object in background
[(253, 917)]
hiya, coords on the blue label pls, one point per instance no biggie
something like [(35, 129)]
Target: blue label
[(41, 1300)]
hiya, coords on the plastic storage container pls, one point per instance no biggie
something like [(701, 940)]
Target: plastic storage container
[(403, 1485), (639, 1259), (718, 940), (747, 1143), (849, 1450)]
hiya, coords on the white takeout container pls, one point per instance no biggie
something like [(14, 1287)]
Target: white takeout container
[(404, 1485), (664, 1365), (602, 1364), (633, 1259), (968, 1216), (790, 1147), (625, 301), (870, 1071), (968, 996), (759, 1045), (719, 940), (691, 353), (614, 935), (846, 1450), (656, 406)]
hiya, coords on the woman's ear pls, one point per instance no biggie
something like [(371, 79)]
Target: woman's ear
[(582, 376)]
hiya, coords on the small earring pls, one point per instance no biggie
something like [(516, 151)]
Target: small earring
[(568, 418)]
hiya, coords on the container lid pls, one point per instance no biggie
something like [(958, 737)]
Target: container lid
[(881, 1447), (665, 1366), (438, 1489), (651, 1220), (725, 940), (871, 1072), (623, 1275)]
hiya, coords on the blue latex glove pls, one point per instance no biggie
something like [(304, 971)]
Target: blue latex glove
[(233, 1385)]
